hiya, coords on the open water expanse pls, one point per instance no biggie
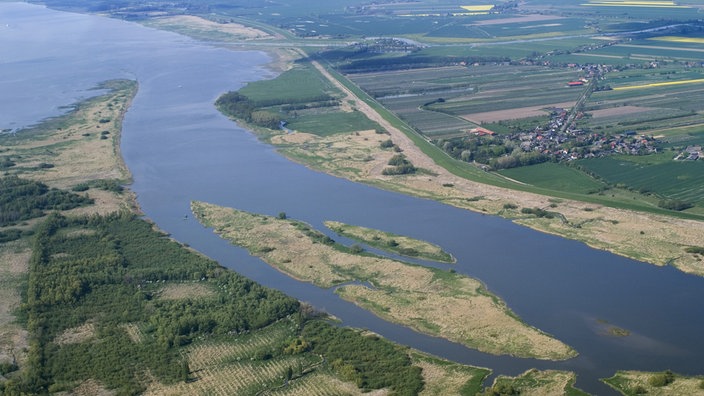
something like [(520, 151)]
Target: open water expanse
[(179, 148)]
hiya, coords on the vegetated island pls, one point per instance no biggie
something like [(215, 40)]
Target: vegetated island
[(437, 302), (94, 300), (399, 244), (655, 383)]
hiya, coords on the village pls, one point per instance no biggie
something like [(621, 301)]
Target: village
[(555, 142)]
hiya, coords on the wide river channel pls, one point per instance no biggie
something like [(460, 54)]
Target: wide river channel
[(179, 148)]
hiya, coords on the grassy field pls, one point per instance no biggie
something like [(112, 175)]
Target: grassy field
[(432, 301), (683, 180), (394, 243), (442, 102), (301, 84), (326, 124), (554, 177), (445, 378)]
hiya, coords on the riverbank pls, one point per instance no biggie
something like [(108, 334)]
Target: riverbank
[(432, 301), (358, 156), (80, 147)]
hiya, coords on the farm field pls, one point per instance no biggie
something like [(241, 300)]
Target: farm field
[(443, 102), (649, 101), (682, 180), (555, 177), (325, 124), (301, 84)]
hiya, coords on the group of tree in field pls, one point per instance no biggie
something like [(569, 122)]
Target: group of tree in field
[(23, 199), (108, 272), (494, 151), (400, 165), (239, 106)]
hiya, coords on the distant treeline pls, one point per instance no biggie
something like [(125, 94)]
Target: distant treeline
[(356, 62)]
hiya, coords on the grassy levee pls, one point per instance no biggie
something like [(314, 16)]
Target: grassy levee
[(432, 301), (470, 172)]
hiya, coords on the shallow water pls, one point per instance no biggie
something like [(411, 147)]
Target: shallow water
[(179, 148)]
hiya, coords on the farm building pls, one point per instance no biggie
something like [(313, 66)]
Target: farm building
[(479, 131), (575, 83)]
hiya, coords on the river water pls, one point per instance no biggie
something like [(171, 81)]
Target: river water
[(179, 148)]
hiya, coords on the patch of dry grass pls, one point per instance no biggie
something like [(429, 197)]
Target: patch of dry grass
[(76, 335), (444, 378), (14, 263), (82, 146), (201, 28), (179, 291), (91, 388), (436, 302)]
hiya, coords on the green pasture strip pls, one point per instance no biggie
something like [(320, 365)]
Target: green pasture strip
[(327, 124), (636, 52), (682, 180), (299, 85), (465, 170), (682, 136), (554, 177)]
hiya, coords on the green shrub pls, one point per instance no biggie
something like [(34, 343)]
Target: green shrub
[(674, 204), (694, 249), (386, 144), (662, 379)]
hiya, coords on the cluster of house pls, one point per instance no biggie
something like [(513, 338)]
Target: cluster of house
[(571, 144), (575, 144), (691, 153)]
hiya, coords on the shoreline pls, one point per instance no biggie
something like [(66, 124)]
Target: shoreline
[(618, 231)]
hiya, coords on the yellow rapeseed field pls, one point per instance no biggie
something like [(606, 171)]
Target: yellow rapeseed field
[(679, 39), (626, 3), (661, 84)]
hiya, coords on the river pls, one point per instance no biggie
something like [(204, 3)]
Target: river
[(179, 148)]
